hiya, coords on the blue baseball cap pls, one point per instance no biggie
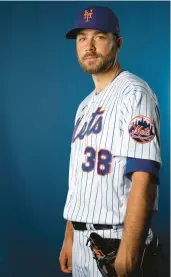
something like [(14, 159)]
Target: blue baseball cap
[(98, 18)]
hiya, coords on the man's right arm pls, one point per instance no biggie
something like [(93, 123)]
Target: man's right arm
[(69, 230), (65, 258)]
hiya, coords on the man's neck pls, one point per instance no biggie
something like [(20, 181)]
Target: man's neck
[(102, 80)]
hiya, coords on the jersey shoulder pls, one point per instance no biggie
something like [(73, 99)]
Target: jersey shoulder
[(136, 85)]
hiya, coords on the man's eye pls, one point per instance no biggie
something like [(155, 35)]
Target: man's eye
[(100, 37), (81, 39)]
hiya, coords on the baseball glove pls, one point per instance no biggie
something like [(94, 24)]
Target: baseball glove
[(104, 252)]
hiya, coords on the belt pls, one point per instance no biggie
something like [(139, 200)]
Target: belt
[(80, 226)]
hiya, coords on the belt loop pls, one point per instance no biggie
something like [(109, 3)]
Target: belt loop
[(92, 227), (88, 225)]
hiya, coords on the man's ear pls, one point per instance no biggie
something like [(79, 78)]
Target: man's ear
[(119, 43)]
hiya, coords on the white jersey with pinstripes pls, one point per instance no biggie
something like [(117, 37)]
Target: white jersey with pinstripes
[(101, 143)]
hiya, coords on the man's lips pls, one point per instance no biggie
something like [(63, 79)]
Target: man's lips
[(91, 58)]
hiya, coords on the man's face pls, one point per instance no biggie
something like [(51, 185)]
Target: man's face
[(96, 51)]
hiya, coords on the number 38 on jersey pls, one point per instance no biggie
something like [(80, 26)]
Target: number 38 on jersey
[(100, 161)]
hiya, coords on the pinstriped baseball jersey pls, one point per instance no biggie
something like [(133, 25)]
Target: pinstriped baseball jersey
[(120, 122)]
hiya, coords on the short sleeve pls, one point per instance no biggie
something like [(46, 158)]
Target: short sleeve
[(139, 121)]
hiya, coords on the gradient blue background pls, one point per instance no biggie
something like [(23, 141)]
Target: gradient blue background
[(41, 86)]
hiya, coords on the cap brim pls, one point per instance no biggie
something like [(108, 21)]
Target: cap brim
[(72, 34)]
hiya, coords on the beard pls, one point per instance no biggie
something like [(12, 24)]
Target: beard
[(101, 64)]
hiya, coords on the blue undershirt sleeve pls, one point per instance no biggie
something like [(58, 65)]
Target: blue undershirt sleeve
[(134, 164)]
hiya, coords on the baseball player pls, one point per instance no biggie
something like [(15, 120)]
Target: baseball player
[(115, 157)]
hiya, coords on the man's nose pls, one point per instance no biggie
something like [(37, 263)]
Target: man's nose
[(90, 45)]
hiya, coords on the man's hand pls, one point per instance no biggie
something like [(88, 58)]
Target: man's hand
[(65, 258)]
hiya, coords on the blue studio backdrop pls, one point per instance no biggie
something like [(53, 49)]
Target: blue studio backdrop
[(41, 86)]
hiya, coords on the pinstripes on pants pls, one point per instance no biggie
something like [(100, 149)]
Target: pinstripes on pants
[(83, 264)]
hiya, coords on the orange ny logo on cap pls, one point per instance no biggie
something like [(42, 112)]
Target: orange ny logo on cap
[(88, 15)]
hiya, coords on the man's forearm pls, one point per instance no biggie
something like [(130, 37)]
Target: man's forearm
[(69, 229), (137, 220)]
